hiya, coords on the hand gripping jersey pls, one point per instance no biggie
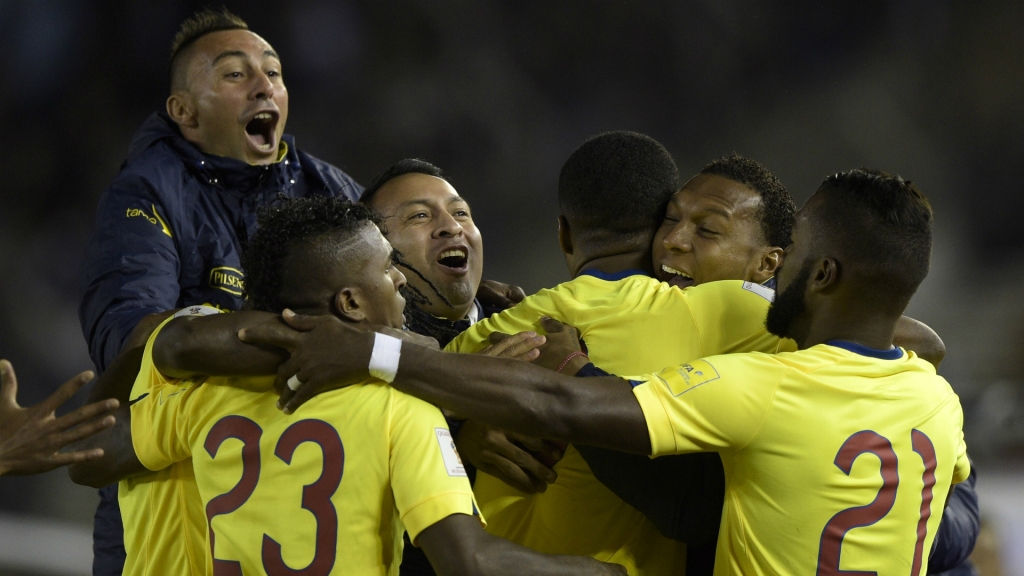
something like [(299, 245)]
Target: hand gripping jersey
[(838, 459), (628, 321), (329, 489)]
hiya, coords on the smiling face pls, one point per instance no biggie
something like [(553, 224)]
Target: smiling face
[(712, 231), (431, 226), (235, 103)]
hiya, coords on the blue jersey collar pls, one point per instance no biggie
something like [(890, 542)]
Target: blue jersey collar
[(894, 353), (613, 276)]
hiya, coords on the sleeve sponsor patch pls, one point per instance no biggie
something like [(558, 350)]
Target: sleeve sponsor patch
[(452, 460), (200, 310), (761, 290), (690, 376)]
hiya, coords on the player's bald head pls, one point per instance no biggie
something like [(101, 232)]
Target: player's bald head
[(200, 24), (879, 227)]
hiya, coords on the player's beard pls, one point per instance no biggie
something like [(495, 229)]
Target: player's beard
[(789, 304)]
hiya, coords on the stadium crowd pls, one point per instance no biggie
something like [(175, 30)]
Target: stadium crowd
[(245, 299)]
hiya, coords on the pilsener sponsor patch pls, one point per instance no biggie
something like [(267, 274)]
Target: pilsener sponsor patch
[(227, 279), (452, 460), (690, 376)]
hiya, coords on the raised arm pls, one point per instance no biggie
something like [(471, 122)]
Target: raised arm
[(131, 267), (118, 460), (31, 438), (209, 346), (509, 394)]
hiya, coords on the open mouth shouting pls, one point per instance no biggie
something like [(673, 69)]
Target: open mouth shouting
[(454, 260), (677, 278), (261, 131)]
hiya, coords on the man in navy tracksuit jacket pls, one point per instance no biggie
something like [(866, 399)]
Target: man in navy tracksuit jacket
[(169, 229)]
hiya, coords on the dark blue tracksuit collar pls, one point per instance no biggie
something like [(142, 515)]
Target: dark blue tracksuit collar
[(217, 171), (613, 276), (894, 353)]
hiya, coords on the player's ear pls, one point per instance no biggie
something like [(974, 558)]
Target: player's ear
[(182, 110), (349, 305), (825, 276), (564, 236), (766, 265)]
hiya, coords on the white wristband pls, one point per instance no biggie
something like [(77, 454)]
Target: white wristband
[(384, 358)]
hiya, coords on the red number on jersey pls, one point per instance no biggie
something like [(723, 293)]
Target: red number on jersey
[(249, 433), (316, 497), (830, 549)]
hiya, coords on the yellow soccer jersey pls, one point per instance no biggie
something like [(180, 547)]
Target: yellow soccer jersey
[(836, 457), (329, 489), (631, 325), (164, 523)]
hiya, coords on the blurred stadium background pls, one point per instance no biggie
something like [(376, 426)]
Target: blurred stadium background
[(498, 94)]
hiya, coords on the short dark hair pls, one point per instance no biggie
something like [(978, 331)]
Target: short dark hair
[(777, 211), (194, 27), (881, 225), (400, 168), (286, 225), (617, 183)]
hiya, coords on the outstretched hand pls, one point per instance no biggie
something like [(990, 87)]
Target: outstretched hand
[(325, 354), (30, 438)]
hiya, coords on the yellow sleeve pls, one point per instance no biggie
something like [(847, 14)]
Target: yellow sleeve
[(159, 413), (962, 468), (729, 316), (427, 475), (519, 318), (714, 404)]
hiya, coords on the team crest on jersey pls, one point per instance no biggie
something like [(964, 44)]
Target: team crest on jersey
[(227, 279), (691, 375), (452, 460)]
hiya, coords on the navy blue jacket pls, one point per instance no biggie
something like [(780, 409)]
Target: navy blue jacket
[(169, 229)]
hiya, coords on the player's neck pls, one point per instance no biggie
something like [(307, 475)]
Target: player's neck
[(868, 330), (614, 263)]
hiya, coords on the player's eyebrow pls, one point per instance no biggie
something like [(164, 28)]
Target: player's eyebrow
[(228, 54), (718, 211), (241, 54), (428, 201)]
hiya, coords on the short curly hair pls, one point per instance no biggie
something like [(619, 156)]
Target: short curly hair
[(289, 224), (777, 212), (616, 185)]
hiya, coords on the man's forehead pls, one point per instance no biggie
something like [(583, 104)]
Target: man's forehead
[(717, 194), (415, 189), (225, 43)]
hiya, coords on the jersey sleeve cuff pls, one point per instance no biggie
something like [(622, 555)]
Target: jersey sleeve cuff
[(429, 512), (659, 425)]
